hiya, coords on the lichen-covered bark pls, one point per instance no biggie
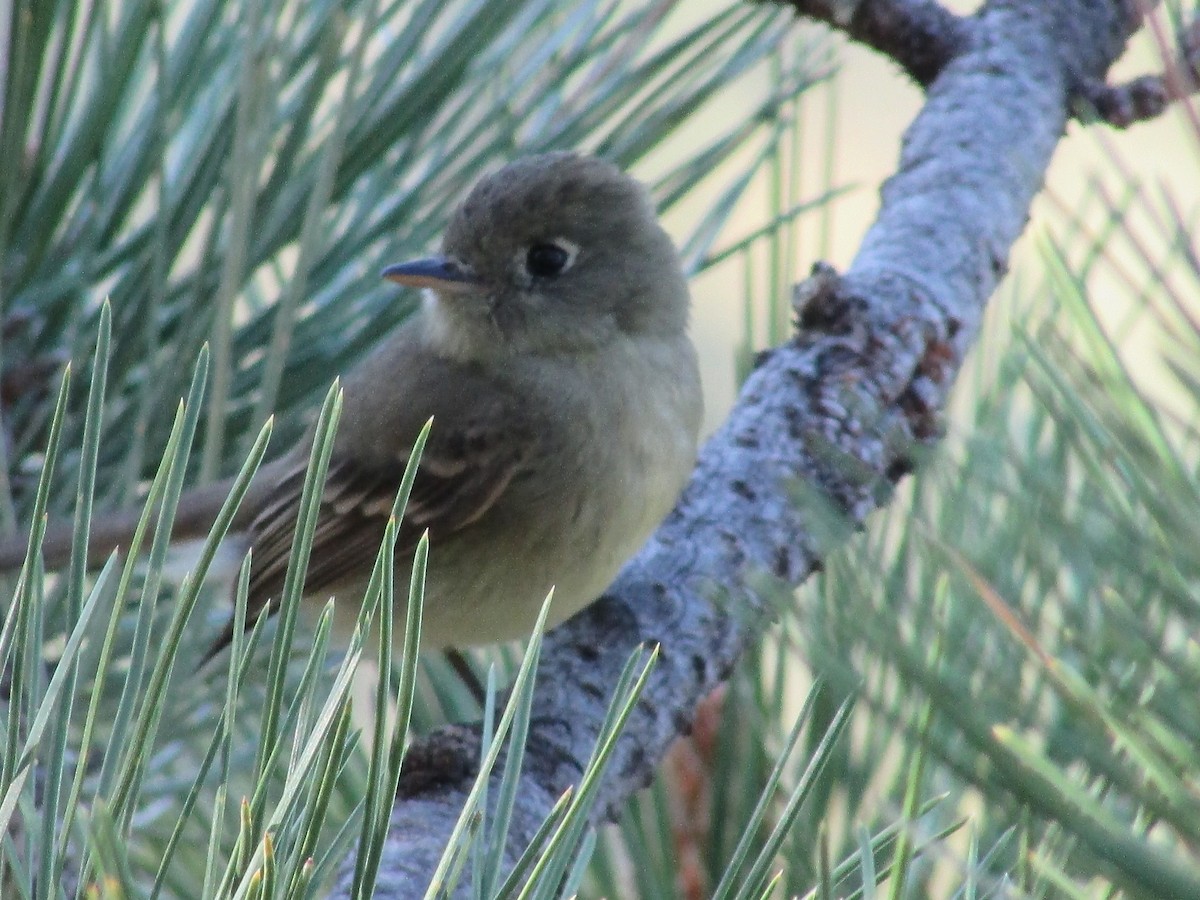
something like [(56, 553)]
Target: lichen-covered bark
[(843, 410)]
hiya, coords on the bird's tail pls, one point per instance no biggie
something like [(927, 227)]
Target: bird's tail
[(196, 513)]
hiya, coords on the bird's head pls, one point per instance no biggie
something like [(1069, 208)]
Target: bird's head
[(551, 254)]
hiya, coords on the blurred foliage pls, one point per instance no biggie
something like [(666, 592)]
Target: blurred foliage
[(1049, 546)]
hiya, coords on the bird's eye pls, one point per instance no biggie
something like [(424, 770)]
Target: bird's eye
[(547, 260)]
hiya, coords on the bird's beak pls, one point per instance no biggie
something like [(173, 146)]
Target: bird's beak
[(439, 272)]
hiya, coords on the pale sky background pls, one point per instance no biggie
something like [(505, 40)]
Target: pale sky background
[(875, 103)]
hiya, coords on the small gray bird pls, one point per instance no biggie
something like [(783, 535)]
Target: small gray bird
[(551, 352)]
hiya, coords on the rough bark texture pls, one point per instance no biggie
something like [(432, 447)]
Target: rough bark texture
[(843, 409)]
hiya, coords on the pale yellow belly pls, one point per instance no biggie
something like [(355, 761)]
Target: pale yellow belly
[(489, 587)]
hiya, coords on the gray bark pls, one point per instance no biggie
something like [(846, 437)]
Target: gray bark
[(844, 409)]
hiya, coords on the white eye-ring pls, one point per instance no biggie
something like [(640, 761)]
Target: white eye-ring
[(549, 259)]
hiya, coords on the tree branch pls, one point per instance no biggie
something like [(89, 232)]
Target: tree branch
[(1147, 96), (922, 36), (844, 410)]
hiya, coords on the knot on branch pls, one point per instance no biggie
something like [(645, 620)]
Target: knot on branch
[(921, 400), (819, 304), (868, 413), (445, 759)]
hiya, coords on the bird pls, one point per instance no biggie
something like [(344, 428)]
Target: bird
[(551, 352)]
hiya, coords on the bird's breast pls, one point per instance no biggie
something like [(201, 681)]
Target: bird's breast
[(635, 451), (605, 481)]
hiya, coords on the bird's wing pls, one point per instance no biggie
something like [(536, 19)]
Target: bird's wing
[(464, 469)]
